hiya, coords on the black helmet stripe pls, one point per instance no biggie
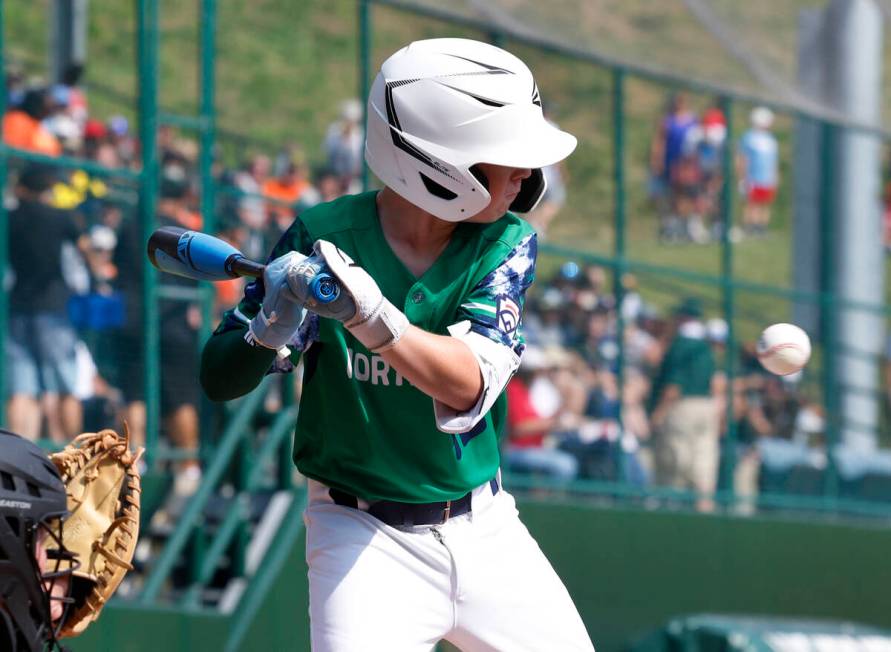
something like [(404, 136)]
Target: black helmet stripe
[(495, 70), (395, 128)]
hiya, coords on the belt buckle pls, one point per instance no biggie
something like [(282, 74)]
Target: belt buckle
[(446, 511)]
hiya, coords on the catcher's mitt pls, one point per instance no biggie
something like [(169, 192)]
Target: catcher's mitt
[(103, 485)]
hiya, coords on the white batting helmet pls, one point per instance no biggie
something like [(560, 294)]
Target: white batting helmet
[(440, 106)]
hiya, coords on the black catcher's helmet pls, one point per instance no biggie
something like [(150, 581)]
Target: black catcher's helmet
[(32, 500)]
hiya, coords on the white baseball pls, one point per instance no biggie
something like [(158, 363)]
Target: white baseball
[(783, 349)]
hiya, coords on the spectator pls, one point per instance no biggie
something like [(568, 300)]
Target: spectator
[(600, 348), (23, 128), (289, 187), (758, 163), (546, 326), (77, 99), (122, 140), (703, 157), (329, 186), (710, 151), (665, 152), (526, 450), (41, 351), (345, 146), (252, 206), (60, 122), (683, 416), (179, 323)]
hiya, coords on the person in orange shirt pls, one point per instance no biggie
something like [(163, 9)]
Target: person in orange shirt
[(22, 128), (286, 190)]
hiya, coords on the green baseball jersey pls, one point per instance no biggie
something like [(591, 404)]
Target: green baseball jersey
[(362, 427), (689, 364)]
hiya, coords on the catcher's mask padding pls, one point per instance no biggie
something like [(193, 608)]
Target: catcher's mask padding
[(31, 496)]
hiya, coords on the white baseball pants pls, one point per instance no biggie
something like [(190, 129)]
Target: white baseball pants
[(479, 581)]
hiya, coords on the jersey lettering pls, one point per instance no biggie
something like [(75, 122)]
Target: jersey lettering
[(373, 369)]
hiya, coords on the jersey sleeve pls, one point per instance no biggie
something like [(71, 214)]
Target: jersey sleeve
[(490, 326), (494, 307), (296, 238)]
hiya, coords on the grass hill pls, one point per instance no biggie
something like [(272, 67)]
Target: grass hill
[(283, 66)]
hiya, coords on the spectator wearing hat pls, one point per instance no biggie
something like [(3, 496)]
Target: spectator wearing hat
[(59, 120), (41, 351), (705, 143), (758, 169), (684, 416)]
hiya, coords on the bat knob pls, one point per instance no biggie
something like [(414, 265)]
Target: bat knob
[(324, 288)]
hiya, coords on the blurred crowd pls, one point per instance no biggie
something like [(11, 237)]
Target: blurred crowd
[(74, 355), (687, 172), (650, 412)]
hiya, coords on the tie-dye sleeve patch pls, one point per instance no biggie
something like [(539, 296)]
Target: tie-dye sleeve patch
[(495, 306)]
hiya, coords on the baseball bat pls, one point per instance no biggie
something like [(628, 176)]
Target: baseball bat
[(204, 257)]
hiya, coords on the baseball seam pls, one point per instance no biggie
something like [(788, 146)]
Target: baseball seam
[(779, 347)]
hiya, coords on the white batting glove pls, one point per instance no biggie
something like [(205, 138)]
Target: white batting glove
[(282, 311), (376, 322)]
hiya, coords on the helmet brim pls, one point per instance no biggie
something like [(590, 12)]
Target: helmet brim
[(538, 144)]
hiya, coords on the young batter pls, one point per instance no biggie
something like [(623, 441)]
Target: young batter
[(411, 539)]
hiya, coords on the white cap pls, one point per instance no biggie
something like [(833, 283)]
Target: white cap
[(761, 117)]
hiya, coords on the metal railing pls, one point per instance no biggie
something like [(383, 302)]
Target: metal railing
[(234, 448)]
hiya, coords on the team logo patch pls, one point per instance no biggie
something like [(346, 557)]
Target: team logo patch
[(508, 315)]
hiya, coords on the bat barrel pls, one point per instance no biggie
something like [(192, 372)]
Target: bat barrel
[(198, 255), (203, 257)]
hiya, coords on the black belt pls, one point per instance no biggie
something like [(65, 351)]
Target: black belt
[(399, 514)]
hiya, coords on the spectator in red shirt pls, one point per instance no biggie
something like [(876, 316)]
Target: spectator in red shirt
[(527, 450)]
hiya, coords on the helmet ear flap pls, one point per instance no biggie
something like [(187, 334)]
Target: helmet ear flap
[(531, 192), (480, 176)]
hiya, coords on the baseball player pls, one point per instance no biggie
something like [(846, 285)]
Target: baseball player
[(411, 538), (33, 591)]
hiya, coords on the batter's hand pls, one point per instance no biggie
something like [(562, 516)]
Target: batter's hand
[(282, 311), (375, 322)]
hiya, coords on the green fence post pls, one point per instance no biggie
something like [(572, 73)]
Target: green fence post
[(364, 66), (4, 229), (828, 304), (207, 135), (619, 249), (728, 458), (208, 119), (147, 54)]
